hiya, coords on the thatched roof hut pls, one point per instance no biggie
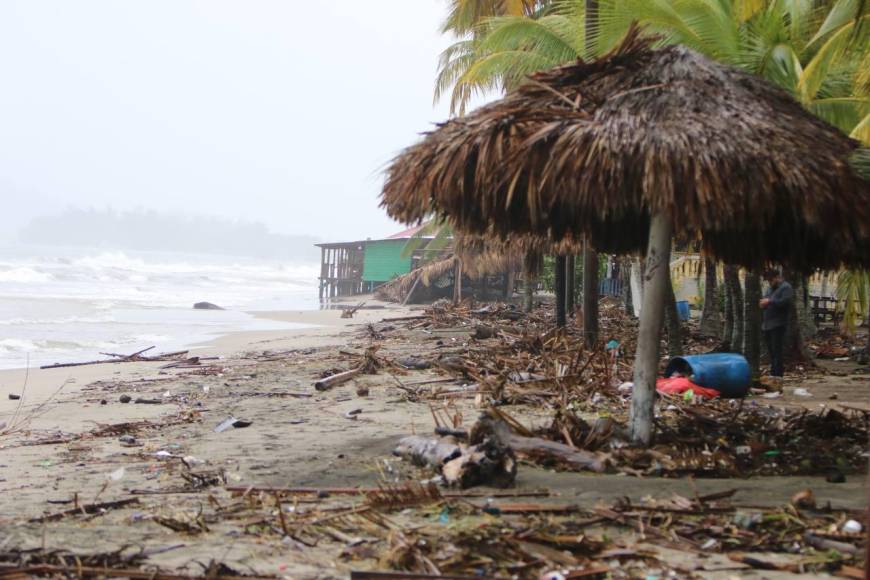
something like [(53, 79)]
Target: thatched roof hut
[(633, 148), (595, 148)]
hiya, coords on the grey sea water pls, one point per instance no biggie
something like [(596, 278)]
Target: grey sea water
[(69, 304)]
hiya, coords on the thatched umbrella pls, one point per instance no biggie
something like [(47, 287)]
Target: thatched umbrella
[(636, 146), (528, 250)]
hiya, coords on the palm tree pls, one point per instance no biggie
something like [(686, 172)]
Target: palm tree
[(853, 291), (819, 51), (711, 325), (464, 15)]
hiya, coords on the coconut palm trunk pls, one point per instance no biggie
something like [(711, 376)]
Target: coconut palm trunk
[(728, 326), (805, 310), (590, 257), (735, 292), (711, 323), (672, 318), (625, 285), (795, 349), (530, 273), (560, 291), (590, 295), (570, 286), (752, 322), (656, 274), (457, 280)]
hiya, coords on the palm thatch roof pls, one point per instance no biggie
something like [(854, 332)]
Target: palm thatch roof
[(398, 288), (594, 148), (489, 253)]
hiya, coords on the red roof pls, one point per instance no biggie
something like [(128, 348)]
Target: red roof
[(409, 233)]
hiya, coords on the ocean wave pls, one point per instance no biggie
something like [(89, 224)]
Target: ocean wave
[(23, 274), (55, 321)]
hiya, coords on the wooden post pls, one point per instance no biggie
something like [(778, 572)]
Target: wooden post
[(590, 295), (322, 273), (457, 280), (656, 274), (560, 291)]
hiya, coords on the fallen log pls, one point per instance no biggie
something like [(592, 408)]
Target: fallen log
[(427, 452), (544, 449), (337, 379), (488, 461)]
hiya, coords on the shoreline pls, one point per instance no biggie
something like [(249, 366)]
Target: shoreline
[(180, 472), (324, 327)]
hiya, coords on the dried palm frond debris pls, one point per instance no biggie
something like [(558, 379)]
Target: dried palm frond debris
[(521, 359)]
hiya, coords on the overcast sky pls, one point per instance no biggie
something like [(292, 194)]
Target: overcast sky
[(280, 111)]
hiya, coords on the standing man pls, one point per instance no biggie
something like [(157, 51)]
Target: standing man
[(776, 306)]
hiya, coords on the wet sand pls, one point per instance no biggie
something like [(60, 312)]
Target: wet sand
[(298, 437)]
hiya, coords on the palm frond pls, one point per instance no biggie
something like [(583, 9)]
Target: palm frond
[(840, 15), (853, 290), (823, 61)]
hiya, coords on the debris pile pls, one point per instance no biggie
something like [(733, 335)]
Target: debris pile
[(509, 358)]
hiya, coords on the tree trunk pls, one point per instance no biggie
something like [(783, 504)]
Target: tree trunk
[(625, 281), (672, 319), (530, 272), (752, 323), (795, 349), (508, 292), (636, 281), (529, 293), (711, 325), (560, 291), (590, 295), (805, 310), (570, 287), (457, 280), (656, 274), (728, 329), (732, 280)]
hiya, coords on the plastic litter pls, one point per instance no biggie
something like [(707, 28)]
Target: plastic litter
[(232, 422)]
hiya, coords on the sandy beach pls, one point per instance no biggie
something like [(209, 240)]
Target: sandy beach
[(83, 446)]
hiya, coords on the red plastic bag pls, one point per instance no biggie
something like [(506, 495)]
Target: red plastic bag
[(679, 385)]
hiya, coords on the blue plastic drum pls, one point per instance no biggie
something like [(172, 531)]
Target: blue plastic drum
[(683, 310), (726, 372)]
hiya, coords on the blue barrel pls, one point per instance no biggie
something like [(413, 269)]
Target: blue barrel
[(683, 309), (725, 372)]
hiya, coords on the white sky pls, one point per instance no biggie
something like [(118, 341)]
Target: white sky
[(280, 111)]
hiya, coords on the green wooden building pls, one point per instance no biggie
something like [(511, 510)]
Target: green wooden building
[(348, 268)]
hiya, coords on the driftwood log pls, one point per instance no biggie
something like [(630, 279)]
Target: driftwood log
[(576, 459), (427, 451), (337, 379)]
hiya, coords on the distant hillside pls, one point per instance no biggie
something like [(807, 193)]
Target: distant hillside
[(149, 230)]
